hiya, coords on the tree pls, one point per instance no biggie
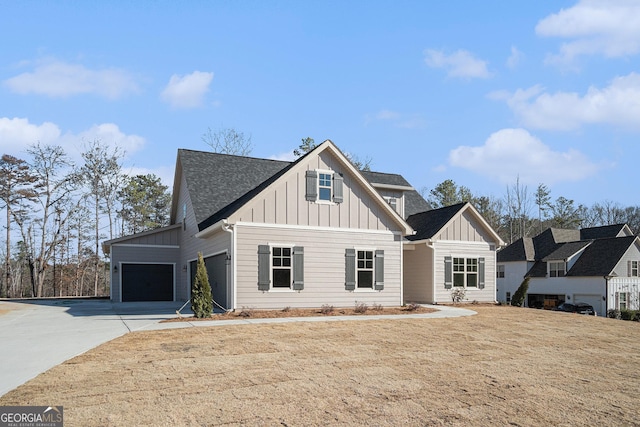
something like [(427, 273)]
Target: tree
[(145, 203), (228, 141), (565, 214), (491, 209), (448, 193), (307, 145), (518, 207), (16, 184), (520, 293), (543, 199), (201, 298), (101, 176)]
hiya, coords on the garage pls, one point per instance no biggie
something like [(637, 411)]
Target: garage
[(593, 300), (217, 272), (147, 282)]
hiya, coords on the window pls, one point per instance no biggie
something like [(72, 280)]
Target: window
[(393, 202), (557, 269), (280, 267), (508, 297), (622, 300), (364, 270), (325, 186), (465, 272), (500, 272), (633, 268)]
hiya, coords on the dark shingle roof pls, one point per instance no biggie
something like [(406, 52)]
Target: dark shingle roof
[(215, 180), (385, 178), (603, 232), (413, 202), (520, 250), (427, 224), (601, 257), (539, 269), (565, 250)]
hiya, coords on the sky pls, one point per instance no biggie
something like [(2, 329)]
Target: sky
[(483, 93)]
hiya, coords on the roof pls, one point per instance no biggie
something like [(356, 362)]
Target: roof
[(219, 184), (413, 201), (601, 256), (566, 250), (602, 232), (428, 223), (520, 250)]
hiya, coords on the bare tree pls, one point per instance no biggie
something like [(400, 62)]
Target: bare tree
[(518, 204), (228, 141)]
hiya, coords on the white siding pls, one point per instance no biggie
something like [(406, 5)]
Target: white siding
[(513, 276), (324, 266), (418, 274)]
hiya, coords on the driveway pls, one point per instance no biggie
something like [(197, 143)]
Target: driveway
[(37, 335)]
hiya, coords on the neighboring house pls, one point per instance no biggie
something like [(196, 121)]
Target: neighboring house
[(273, 234), (454, 247), (597, 266)]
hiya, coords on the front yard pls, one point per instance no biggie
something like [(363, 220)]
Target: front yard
[(504, 366)]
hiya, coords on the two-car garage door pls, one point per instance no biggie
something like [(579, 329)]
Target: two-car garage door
[(147, 282)]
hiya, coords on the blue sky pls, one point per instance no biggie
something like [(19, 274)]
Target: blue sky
[(482, 93)]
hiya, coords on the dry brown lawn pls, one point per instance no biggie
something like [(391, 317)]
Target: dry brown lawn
[(504, 366)]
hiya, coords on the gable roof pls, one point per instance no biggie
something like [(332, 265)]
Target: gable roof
[(566, 250), (238, 179), (601, 256), (428, 224), (520, 250), (604, 231)]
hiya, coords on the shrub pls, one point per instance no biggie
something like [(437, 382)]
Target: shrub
[(636, 318), (628, 314), (246, 312), (326, 309), (458, 294), (286, 309), (412, 306), (376, 307), (613, 313), (361, 307), (520, 293), (201, 299)]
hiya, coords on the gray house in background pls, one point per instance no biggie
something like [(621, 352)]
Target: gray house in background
[(273, 234), (598, 266)]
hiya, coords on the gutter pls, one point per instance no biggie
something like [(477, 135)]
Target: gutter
[(211, 229)]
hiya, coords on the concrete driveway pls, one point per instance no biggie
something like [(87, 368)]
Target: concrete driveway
[(37, 335)]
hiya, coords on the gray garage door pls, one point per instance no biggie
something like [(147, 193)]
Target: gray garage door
[(147, 282), (594, 300), (217, 272)]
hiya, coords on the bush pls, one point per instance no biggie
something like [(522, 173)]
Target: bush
[(628, 314), (412, 306), (636, 318), (613, 313), (458, 294), (376, 307), (286, 309), (326, 309), (520, 293), (361, 307), (201, 299), (246, 312)]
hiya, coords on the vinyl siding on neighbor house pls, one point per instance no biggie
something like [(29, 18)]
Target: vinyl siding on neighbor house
[(324, 266)]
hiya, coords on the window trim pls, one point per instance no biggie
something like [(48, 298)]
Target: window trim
[(500, 270), (633, 269), (465, 272), (331, 187), (556, 263), (373, 270), (619, 301), (272, 286)]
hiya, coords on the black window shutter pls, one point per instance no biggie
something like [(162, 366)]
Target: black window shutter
[(481, 273), (298, 268), (264, 267), (337, 188), (379, 285), (350, 269), (448, 272), (311, 185)]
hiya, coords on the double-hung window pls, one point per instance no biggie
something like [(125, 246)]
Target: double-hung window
[(323, 186), (281, 267), (364, 269), (557, 269), (633, 268), (500, 271), (622, 300), (465, 272)]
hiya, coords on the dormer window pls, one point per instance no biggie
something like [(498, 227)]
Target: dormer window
[(393, 202), (323, 186), (557, 269)]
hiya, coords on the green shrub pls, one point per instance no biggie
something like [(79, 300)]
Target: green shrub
[(627, 314), (612, 313), (520, 293), (201, 299)]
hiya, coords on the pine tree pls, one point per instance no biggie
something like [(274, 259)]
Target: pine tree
[(201, 299), (521, 292)]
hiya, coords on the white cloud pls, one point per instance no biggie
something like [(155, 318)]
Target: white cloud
[(515, 58), (512, 153), (617, 104), (187, 91), (607, 27), (460, 63), (56, 78), (287, 156), (399, 120), (17, 134)]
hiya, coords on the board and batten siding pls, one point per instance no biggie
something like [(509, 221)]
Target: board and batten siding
[(418, 274), (324, 266), (460, 249), (285, 202), (464, 228), (136, 254)]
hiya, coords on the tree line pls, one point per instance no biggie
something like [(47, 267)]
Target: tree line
[(524, 213), (58, 212)]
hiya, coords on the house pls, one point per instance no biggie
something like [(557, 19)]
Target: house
[(273, 234), (597, 266), (453, 248)]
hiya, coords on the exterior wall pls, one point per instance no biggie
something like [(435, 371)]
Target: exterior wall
[(399, 195), (324, 266), (630, 285), (570, 287), (464, 228), (136, 254), (470, 249), (513, 276), (284, 202), (169, 237), (218, 243), (418, 274)]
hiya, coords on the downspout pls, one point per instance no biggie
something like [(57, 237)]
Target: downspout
[(429, 244), (229, 228)]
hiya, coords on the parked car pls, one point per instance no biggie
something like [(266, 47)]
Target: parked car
[(580, 308)]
